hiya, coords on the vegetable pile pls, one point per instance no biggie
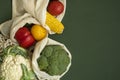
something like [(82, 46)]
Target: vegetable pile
[(26, 36), (21, 56)]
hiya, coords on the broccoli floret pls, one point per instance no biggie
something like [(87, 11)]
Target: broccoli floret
[(42, 62), (53, 70), (53, 60), (47, 51)]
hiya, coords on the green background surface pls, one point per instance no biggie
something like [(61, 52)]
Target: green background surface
[(92, 29)]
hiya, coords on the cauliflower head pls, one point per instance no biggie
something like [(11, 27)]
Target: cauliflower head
[(15, 64)]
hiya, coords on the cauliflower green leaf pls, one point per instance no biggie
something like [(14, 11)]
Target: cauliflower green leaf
[(13, 50), (27, 75)]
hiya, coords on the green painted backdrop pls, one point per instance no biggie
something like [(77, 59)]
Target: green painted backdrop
[(92, 29)]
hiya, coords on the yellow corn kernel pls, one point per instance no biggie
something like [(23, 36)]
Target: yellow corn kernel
[(54, 24)]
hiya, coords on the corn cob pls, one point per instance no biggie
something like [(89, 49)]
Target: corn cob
[(54, 24)]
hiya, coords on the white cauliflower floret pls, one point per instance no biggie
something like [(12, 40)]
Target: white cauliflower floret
[(11, 67)]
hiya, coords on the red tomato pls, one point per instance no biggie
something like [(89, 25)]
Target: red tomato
[(22, 33), (27, 42), (24, 37), (55, 8)]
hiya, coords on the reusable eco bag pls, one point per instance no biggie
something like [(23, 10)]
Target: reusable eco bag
[(36, 54), (37, 8), (9, 28)]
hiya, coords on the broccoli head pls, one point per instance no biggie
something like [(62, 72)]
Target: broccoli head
[(53, 60)]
